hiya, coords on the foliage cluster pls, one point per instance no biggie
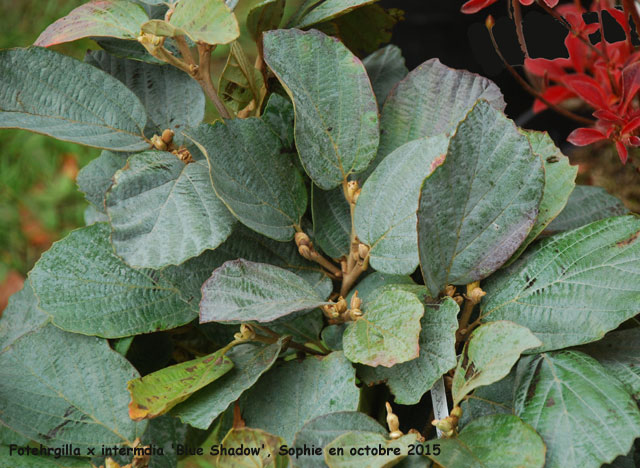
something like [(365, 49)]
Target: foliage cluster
[(289, 274)]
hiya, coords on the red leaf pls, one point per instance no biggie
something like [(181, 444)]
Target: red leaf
[(622, 152), (553, 94), (630, 84), (545, 67), (588, 89), (585, 136), (474, 6)]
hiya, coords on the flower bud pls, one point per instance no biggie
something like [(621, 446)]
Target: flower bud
[(301, 238), (167, 136), (363, 250), (341, 305), (392, 420), (356, 302), (450, 290)]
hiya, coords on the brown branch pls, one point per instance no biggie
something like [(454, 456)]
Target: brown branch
[(203, 77), (531, 90), (184, 49), (517, 19)]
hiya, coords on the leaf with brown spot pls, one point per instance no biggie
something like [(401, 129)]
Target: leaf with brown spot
[(156, 393)]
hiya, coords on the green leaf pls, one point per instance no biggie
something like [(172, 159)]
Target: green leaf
[(499, 440), (132, 50), (364, 30), (328, 10), (259, 185), (496, 398), (324, 429), (244, 243), (272, 404), (87, 289), (430, 101), (480, 204), (21, 316), (95, 178), (242, 291), (249, 363), (164, 432), (264, 16), (409, 381), (387, 333), (240, 439), (35, 461), (240, 82), (278, 115), (585, 416), (331, 221), (58, 388), (619, 353), (156, 393), (336, 126), (171, 97), (209, 21), (559, 181), (385, 68), (50, 93), (385, 215), (163, 211), (489, 355), (305, 328), (102, 18), (359, 440), (588, 276), (586, 204), (371, 285)]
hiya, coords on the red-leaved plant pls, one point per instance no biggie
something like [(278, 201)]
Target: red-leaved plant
[(603, 75)]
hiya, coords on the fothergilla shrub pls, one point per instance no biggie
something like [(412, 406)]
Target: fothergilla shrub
[(344, 264)]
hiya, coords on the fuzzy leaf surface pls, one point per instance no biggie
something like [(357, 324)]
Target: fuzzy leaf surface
[(331, 221), (259, 185), (385, 68), (479, 205), (498, 440), (559, 182), (431, 100), (86, 288), (385, 215), (589, 276), (100, 18), (249, 363), (388, 333), (409, 381), (243, 291), (586, 204), (336, 123), (79, 397), (171, 97), (619, 353), (163, 211), (585, 416), (489, 355), (49, 93), (95, 178), (294, 392), (158, 392), (326, 428)]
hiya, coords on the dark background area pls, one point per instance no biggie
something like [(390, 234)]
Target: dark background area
[(436, 28)]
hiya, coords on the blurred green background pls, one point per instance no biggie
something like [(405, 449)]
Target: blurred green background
[(39, 202)]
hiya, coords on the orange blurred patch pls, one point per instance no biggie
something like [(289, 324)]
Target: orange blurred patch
[(33, 230), (11, 284)]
